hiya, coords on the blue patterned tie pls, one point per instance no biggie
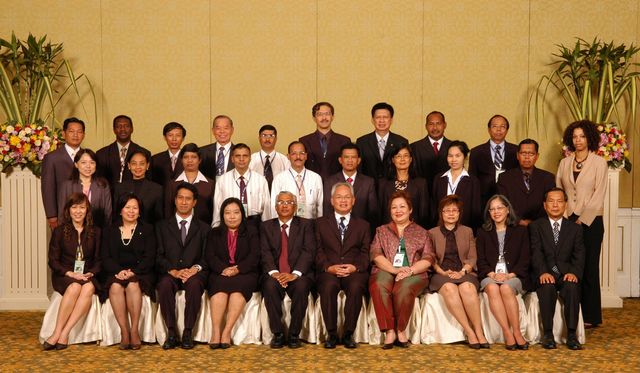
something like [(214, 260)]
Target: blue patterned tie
[(343, 227), (220, 162), (556, 232), (323, 146), (498, 157)]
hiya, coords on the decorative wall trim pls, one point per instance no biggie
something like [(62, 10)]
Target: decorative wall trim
[(628, 262)]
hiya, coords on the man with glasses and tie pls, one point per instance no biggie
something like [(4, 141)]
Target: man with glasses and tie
[(248, 186), (487, 161), (181, 265), (557, 257), (57, 167), (165, 165), (525, 186), (304, 183), (288, 247), (323, 145), (430, 153), (375, 147), (216, 157), (342, 262), (268, 162)]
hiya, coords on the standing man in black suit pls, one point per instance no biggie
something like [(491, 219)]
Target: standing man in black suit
[(430, 153), (525, 186), (376, 146), (181, 264), (323, 145), (558, 262), (112, 158), (343, 263), (288, 246), (57, 167), (165, 166), (487, 161), (216, 157), (366, 203)]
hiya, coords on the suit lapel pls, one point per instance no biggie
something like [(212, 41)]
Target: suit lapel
[(193, 229)]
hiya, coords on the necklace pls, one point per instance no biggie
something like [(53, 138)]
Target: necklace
[(579, 163), (127, 241)]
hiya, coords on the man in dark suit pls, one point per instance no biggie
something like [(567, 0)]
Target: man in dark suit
[(376, 147), (366, 203), (181, 264), (288, 246), (558, 262), (112, 158), (343, 263), (487, 161), (165, 166), (526, 185), (323, 145), (216, 157), (57, 167), (430, 153)]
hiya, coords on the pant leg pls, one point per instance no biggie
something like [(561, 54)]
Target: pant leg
[(547, 297), (328, 286), (404, 296), (570, 295), (591, 298), (298, 291), (273, 293), (380, 287), (167, 288), (193, 289), (355, 287)]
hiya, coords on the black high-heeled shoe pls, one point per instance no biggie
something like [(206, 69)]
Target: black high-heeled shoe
[(46, 346), (387, 346), (512, 347), (400, 344), (524, 346), (61, 346)]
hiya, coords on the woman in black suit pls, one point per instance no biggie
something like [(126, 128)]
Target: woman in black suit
[(457, 181), (74, 240), (403, 177), (232, 254), (503, 266), (128, 258), (149, 193)]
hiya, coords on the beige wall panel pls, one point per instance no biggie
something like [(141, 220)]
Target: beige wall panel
[(367, 53), (80, 34), (263, 66), (559, 22), (635, 138), (476, 64), (156, 67)]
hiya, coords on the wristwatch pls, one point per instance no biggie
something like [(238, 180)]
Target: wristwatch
[(464, 270), (198, 267)]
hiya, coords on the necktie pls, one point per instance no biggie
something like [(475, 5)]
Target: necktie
[(381, 146), (283, 261), (342, 227), (183, 231), (527, 180), (123, 155), (243, 190), (556, 232), (497, 160), (301, 194), (323, 145), (435, 148), (350, 181), (268, 172), (174, 158), (220, 162)]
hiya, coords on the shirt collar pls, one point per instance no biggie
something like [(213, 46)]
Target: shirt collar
[(432, 141), (188, 219), (171, 155), (347, 217), (385, 137), (448, 173), (553, 221), (226, 146), (120, 146), (493, 145), (72, 152), (288, 222), (352, 177), (199, 178), (271, 155), (236, 174)]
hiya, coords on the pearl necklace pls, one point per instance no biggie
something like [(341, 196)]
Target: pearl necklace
[(130, 238)]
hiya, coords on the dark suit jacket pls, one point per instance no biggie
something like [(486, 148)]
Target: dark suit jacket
[(100, 200), (56, 169), (324, 166), (526, 203), (247, 256), (208, 156), (366, 206), (419, 192), (109, 163), (172, 254), (354, 249), (427, 164), (302, 245), (149, 192), (62, 255), (371, 164), (568, 255), (516, 252), (161, 172), (468, 190), (143, 246), (481, 166)]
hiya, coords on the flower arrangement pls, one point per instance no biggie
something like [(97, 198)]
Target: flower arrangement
[(613, 147), (26, 145)]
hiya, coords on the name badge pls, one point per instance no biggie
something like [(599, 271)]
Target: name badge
[(498, 172), (301, 209), (78, 266), (398, 260), (246, 209), (501, 267)]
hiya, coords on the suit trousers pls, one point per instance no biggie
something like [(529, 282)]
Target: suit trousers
[(193, 289), (273, 293), (393, 300), (354, 287), (591, 299), (548, 295)]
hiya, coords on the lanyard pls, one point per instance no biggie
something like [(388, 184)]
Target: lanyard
[(304, 176)]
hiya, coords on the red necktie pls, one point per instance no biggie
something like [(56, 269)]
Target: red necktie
[(283, 262), (350, 181), (435, 148)]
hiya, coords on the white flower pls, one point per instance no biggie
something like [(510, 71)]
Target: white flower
[(10, 129)]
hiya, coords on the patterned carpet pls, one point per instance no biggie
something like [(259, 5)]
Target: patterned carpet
[(612, 348)]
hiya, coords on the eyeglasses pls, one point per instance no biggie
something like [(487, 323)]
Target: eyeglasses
[(402, 156), (527, 154), (298, 153), (450, 211), (267, 135), (286, 203), (496, 209)]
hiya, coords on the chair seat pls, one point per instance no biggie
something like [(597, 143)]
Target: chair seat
[(309, 324), (438, 324), (111, 329), (360, 335), (535, 331), (199, 331), (413, 327), (492, 330), (87, 329)]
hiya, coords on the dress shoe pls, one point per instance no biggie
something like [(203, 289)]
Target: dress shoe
[(170, 343), (485, 345), (294, 341), (387, 346), (348, 340), (331, 342), (548, 342), (512, 347), (61, 346), (224, 346), (187, 340), (124, 346), (48, 346), (278, 340), (136, 346), (572, 342), (397, 343), (214, 346), (524, 346)]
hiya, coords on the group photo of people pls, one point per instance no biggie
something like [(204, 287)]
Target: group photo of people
[(378, 218)]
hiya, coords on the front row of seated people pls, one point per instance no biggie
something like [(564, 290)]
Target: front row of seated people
[(293, 255)]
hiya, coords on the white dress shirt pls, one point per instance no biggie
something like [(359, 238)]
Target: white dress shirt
[(312, 183), (279, 162), (257, 189), (200, 177), (451, 187), (188, 219), (71, 151)]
